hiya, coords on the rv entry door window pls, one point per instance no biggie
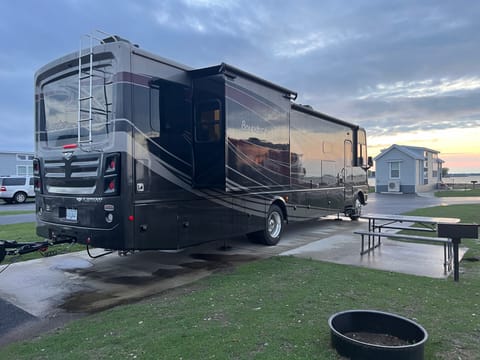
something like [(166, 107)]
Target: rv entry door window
[(208, 122)]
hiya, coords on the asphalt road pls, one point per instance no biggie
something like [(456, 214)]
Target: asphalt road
[(15, 219)]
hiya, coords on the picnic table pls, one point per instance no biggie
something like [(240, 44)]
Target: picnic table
[(383, 225)]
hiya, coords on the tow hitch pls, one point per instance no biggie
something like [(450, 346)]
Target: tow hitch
[(9, 247)]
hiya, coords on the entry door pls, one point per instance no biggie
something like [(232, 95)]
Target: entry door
[(209, 145)]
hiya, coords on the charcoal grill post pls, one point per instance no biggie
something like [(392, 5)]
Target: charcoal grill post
[(456, 232)]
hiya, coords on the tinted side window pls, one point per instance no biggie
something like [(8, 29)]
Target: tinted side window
[(31, 182), (13, 181), (208, 122)]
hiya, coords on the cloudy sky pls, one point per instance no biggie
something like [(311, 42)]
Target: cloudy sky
[(406, 70)]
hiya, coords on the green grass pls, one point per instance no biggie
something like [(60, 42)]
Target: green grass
[(25, 232), (458, 193), (16, 212), (274, 309), (469, 213), (20, 232)]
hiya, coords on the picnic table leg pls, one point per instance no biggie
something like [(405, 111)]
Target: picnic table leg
[(456, 264), (445, 259), (450, 256), (370, 230)]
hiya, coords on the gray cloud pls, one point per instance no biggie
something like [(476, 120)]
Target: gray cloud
[(393, 66)]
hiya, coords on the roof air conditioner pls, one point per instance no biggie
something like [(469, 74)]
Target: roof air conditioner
[(394, 186)]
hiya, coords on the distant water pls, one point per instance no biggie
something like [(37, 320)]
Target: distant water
[(461, 179), (451, 179)]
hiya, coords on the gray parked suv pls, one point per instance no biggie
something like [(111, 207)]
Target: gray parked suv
[(16, 188)]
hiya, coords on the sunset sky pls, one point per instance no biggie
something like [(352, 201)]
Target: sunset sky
[(406, 70)]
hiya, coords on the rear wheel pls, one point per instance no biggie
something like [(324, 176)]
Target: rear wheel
[(273, 226), (20, 197)]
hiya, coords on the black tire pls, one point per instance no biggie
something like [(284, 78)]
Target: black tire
[(255, 236), (356, 211), (20, 197), (273, 226)]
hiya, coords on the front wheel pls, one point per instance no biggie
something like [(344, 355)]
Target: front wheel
[(356, 212), (273, 226)]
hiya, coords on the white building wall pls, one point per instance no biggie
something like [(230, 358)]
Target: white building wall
[(16, 163)]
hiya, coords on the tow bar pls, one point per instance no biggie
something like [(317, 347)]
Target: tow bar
[(9, 247)]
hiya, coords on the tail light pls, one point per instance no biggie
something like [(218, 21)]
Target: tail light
[(37, 185), (111, 185), (37, 182), (36, 167), (112, 164), (3, 188), (111, 174)]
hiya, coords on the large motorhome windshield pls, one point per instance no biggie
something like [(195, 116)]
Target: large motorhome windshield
[(61, 102)]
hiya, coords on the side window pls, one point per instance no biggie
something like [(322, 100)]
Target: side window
[(155, 108), (395, 170), (348, 153), (23, 170), (208, 121), (14, 181), (146, 109), (31, 182)]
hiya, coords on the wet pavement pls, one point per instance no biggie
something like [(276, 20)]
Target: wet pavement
[(396, 256), (38, 295)]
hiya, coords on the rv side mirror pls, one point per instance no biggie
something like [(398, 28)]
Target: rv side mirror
[(370, 161)]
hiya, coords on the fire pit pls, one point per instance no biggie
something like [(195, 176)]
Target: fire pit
[(369, 334)]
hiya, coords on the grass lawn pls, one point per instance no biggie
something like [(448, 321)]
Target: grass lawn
[(25, 232), (275, 309), (458, 193)]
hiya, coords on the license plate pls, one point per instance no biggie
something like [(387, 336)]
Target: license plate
[(71, 214)]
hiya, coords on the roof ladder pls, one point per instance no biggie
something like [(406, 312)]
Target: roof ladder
[(85, 85)]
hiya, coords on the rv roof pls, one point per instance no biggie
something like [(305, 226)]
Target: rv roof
[(309, 110), (232, 71)]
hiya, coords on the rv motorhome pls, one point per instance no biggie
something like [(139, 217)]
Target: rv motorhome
[(137, 152)]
